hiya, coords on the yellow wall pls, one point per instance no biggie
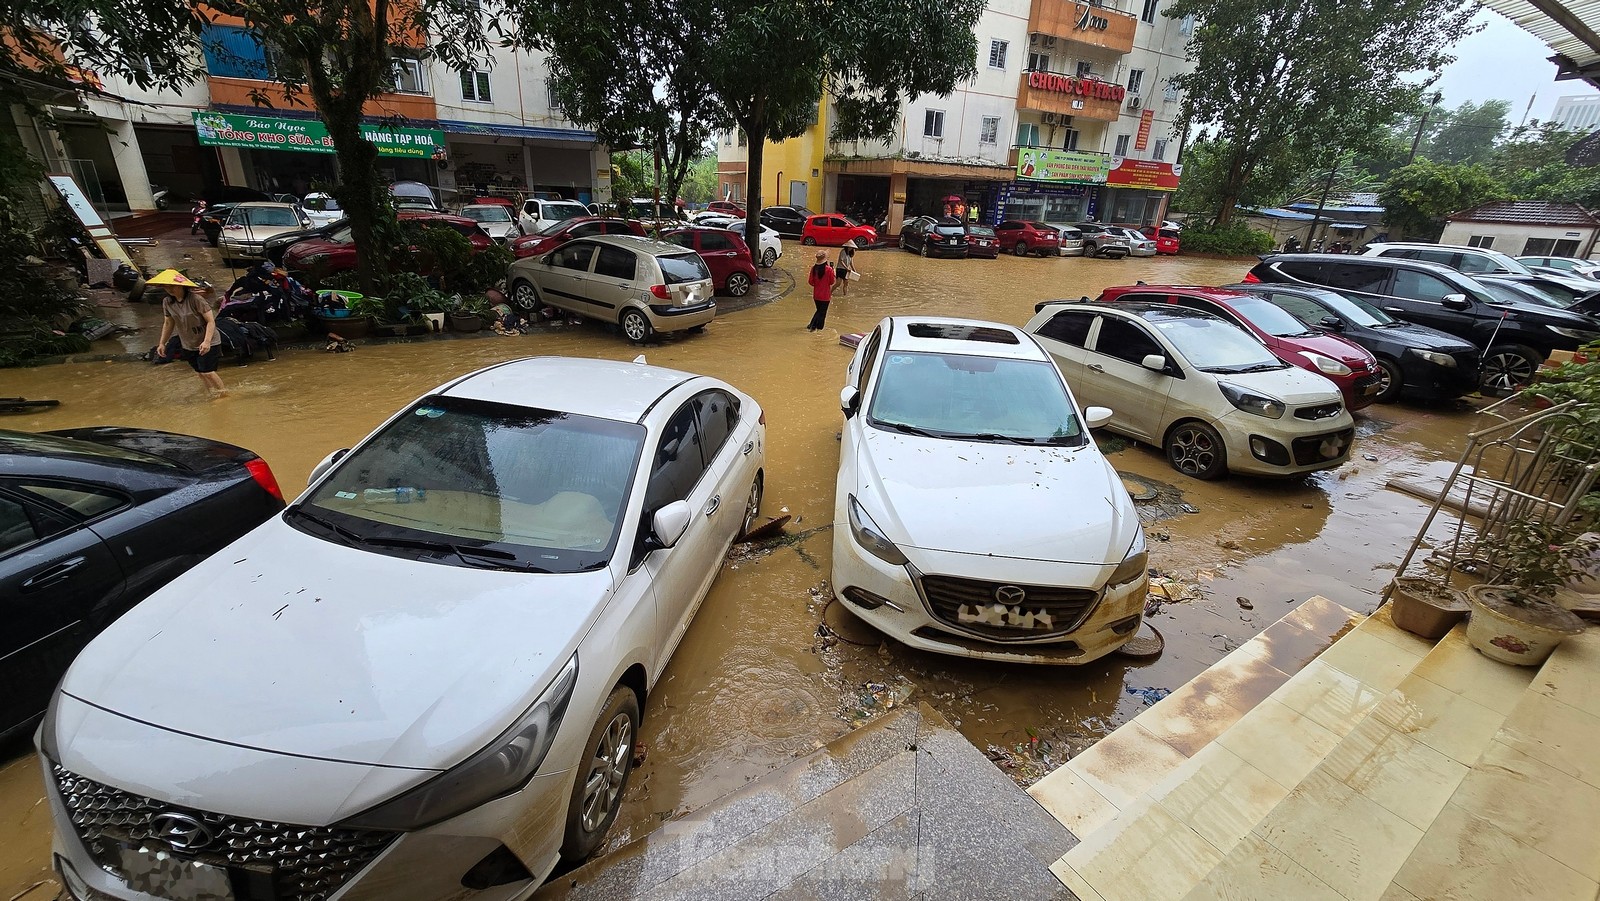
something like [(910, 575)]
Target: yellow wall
[(796, 159)]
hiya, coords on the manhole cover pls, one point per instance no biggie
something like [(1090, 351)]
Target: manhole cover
[(1147, 644)]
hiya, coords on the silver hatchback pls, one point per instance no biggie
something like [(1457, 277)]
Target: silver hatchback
[(644, 286)]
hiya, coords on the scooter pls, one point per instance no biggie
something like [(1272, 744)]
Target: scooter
[(199, 207), (159, 193)]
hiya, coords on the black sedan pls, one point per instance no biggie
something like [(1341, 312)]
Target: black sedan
[(934, 237), (1413, 360), (92, 521), (786, 220)]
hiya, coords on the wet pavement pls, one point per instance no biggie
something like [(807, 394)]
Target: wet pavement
[(756, 682)]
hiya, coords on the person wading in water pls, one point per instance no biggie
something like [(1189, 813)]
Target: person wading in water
[(187, 313), (821, 278)]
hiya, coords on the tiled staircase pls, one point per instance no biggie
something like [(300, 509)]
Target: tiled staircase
[(1389, 768)]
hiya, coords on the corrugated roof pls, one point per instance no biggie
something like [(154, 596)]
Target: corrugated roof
[(1535, 212), (1332, 207), (1570, 27)]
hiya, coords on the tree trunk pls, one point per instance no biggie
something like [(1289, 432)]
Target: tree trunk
[(363, 196), (755, 127)]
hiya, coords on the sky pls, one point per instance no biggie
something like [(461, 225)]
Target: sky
[(1503, 62)]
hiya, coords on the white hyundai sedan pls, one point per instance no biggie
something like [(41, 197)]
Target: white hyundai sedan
[(424, 679), (974, 514)]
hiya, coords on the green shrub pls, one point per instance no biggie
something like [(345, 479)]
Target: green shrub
[(1234, 239), (487, 269)]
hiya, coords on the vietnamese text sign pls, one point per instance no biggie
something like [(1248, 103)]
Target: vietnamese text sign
[(1148, 175), (310, 135), (1044, 164), (1143, 140)]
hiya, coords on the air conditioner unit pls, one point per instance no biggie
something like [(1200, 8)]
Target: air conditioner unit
[(1033, 40), (1049, 42), (1048, 118), (1134, 101)]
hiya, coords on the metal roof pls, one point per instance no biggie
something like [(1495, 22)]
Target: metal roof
[(1536, 212), (1570, 28)]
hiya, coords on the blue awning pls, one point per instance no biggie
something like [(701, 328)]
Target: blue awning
[(1337, 208), (1277, 213), (574, 135)]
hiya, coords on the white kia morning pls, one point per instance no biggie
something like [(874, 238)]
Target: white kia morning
[(423, 680), (974, 514)]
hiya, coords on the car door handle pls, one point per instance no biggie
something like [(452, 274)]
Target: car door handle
[(748, 447), (1096, 367), (711, 505), (54, 574), (1393, 310)]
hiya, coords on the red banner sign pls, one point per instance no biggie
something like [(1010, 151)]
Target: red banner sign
[(1143, 139), (1147, 175), (1082, 87)]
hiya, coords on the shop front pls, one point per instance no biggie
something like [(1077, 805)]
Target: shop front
[(899, 189), (1138, 191), (280, 154), (1056, 186), (521, 161)]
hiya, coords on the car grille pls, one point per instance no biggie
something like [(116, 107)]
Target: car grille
[(975, 607), (300, 863), (1320, 411), (1308, 451), (1368, 384)]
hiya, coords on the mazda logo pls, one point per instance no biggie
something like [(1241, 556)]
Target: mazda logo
[(181, 831), (1010, 594)]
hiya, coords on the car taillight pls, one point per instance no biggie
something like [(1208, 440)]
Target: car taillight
[(660, 291), (262, 473), (1250, 277)]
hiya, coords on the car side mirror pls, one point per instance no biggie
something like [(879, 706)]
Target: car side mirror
[(849, 400), (1096, 417), (1154, 361), (670, 522), (1332, 324), (321, 469), (1456, 302)]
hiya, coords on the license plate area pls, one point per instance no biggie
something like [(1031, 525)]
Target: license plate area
[(155, 869)]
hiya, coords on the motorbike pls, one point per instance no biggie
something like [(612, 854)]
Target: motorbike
[(199, 208), (159, 193)]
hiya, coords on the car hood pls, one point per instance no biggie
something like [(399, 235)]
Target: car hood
[(1423, 338), (1343, 350), (1293, 386), (302, 249), (1547, 315), (1002, 500), (284, 642)]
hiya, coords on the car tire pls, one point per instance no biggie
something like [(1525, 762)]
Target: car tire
[(635, 326), (1089, 249), (924, 251), (808, 241), (696, 329), (524, 295), (1394, 381), (1021, 249), (1506, 368), (769, 258), (1195, 449), (738, 284), (752, 506), (602, 775)]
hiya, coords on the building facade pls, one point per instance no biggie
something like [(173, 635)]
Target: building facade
[(1533, 228), (1578, 112)]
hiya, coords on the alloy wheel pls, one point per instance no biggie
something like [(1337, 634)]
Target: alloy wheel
[(768, 257), (525, 297), (1506, 370), (1192, 451), (738, 284), (752, 507), (607, 772), (635, 326)]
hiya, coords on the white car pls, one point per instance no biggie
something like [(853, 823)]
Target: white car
[(321, 209), (1197, 386), (493, 218), (537, 214), (426, 675), (974, 515), (771, 244), (248, 226)]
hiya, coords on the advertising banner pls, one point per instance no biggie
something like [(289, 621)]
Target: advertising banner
[(1065, 166), (1146, 175), (1143, 140), (309, 135)]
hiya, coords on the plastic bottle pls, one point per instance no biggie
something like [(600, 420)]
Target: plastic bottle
[(394, 495)]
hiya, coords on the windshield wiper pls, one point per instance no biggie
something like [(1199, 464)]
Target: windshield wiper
[(1050, 441), (1263, 367), (350, 538), (464, 553), (909, 429)]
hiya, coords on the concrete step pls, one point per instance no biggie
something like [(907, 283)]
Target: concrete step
[(904, 807)]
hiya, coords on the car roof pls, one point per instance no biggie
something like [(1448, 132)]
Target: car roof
[(639, 243), (607, 389), (263, 205), (974, 337), (1206, 291), (1150, 312), (433, 216), (1364, 260)]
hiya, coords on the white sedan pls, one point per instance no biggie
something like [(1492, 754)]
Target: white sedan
[(974, 514), (427, 673), (771, 244)]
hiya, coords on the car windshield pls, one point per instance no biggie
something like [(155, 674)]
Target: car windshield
[(1354, 309), (1270, 319), (340, 235), (1516, 292), (682, 268), (270, 216), (322, 203), (487, 214), (975, 398), (1212, 345), (481, 484), (559, 211)]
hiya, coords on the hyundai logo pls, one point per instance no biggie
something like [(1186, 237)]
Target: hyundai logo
[(181, 831), (1010, 594)]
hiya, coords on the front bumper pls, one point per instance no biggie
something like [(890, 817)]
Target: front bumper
[(1293, 446), (243, 250), (1430, 381)]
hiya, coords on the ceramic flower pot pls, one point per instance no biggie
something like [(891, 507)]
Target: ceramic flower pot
[(1522, 634), (1425, 607), (465, 322)]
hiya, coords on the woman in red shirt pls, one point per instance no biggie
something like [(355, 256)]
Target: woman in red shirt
[(821, 278)]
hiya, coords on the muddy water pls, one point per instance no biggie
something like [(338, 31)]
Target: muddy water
[(753, 683)]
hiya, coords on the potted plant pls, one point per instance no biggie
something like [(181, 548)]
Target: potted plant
[(469, 314), (1426, 606), (1516, 622)]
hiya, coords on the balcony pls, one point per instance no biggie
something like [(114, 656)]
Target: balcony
[(1084, 23), (1066, 95)]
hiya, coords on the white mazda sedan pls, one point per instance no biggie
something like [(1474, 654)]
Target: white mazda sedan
[(424, 679), (974, 514)]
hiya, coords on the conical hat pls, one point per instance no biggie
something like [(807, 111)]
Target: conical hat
[(171, 277)]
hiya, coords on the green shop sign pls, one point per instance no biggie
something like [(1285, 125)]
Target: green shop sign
[(1073, 166), (310, 135)]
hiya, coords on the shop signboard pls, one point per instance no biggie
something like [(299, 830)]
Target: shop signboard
[(310, 135), (1064, 166), (1144, 175), (1145, 119)]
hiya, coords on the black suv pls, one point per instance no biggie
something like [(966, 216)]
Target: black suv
[(1515, 338)]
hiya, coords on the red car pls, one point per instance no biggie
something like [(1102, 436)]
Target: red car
[(563, 230), (315, 259), (836, 230), (1166, 238), (1022, 237), (982, 241), (733, 270), (727, 206), (1342, 362)]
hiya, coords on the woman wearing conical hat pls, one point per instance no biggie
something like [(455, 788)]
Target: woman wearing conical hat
[(187, 313)]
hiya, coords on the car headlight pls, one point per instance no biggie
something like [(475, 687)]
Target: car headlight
[(499, 769), (1575, 334), (1133, 565), (1325, 364), (1250, 402), (871, 538), (1434, 357)]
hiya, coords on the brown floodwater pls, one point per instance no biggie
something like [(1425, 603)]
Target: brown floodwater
[(753, 683)]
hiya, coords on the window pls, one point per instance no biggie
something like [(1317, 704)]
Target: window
[(719, 415), (715, 241), (615, 262), (475, 85), (868, 357), (1027, 134), (1122, 339), (1159, 152), (1307, 311), (1353, 277), (409, 77), (1421, 286), (1122, 146), (678, 464), (233, 52), (87, 502), (550, 95), (574, 256), (990, 132), (1472, 264), (1070, 327), (1484, 241), (1039, 62), (997, 54), (1070, 141), (1085, 70), (1135, 80), (586, 229), (682, 239), (933, 123), (1149, 13), (16, 529)]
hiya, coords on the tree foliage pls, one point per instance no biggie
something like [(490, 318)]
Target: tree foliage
[(1307, 80), (1468, 133), (1418, 197)]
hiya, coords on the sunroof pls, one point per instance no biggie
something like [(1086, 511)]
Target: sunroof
[(961, 332)]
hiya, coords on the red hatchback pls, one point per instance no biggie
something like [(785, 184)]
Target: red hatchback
[(563, 230), (1342, 362), (315, 259), (1022, 237), (1166, 239), (726, 206), (836, 230), (733, 270)]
